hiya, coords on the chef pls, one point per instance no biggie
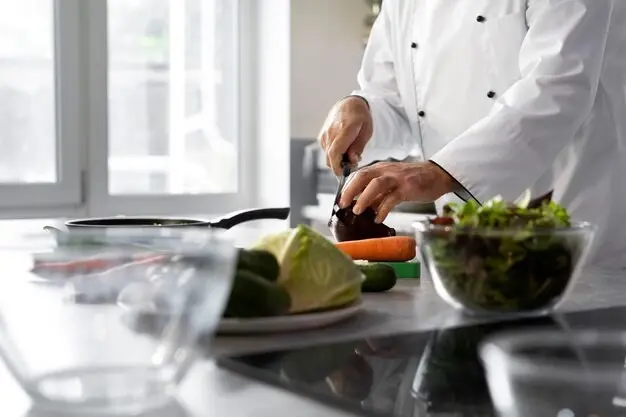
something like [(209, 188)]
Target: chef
[(497, 96)]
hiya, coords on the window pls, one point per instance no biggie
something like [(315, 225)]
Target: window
[(27, 149), (170, 97), (31, 77), (122, 106)]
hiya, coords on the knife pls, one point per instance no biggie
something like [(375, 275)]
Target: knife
[(346, 170)]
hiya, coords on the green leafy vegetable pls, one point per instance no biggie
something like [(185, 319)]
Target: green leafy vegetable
[(316, 274), (502, 256), (497, 213)]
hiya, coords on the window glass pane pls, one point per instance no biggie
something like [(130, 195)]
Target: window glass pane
[(172, 92), (27, 102)]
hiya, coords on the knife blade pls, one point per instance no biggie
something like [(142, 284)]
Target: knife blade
[(346, 171)]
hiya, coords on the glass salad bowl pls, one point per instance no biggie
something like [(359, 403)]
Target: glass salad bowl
[(504, 257), (484, 271), (72, 347)]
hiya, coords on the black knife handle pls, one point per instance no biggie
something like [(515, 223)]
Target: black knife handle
[(345, 165)]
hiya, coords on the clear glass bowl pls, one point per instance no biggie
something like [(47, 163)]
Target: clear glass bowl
[(72, 347), (513, 271), (557, 374)]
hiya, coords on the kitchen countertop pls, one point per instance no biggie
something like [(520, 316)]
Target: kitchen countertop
[(414, 306), (411, 306)]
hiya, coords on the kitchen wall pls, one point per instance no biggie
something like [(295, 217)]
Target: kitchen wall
[(326, 49), (308, 53)]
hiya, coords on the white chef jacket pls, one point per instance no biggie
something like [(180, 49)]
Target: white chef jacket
[(507, 95)]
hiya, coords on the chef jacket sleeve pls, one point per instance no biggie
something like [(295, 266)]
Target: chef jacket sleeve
[(392, 135), (560, 61)]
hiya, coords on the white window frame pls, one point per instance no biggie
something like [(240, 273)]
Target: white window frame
[(82, 119)]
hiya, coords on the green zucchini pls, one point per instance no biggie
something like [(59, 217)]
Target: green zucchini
[(260, 262), (378, 277), (255, 296)]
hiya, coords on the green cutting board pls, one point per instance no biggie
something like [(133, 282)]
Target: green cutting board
[(405, 270)]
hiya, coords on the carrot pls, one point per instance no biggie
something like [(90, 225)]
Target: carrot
[(384, 249)]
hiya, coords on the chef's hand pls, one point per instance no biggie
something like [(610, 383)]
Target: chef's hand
[(347, 129), (384, 185)]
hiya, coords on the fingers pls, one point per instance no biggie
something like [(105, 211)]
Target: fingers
[(323, 140), (347, 130), (358, 145), (360, 142), (389, 203), (355, 186), (355, 158), (376, 187), (378, 200), (340, 143), (324, 137)]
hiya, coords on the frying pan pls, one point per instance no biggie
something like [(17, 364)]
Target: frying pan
[(108, 225), (225, 222)]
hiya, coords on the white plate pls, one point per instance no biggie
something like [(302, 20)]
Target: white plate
[(304, 321)]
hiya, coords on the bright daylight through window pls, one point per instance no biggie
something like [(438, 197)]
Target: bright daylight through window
[(171, 100), (117, 106), (27, 104)]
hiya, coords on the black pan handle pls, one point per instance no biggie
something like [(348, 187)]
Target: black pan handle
[(242, 216)]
